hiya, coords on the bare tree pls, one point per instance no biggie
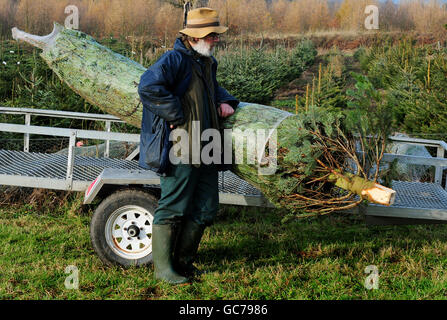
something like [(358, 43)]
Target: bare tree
[(8, 9), (194, 3)]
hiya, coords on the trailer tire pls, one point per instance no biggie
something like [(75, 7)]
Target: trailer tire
[(121, 228)]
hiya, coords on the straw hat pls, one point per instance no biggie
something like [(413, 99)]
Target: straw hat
[(201, 22)]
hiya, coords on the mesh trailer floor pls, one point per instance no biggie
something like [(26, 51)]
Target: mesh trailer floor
[(414, 200), (49, 171)]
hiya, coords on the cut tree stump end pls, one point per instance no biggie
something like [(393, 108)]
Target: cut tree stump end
[(380, 195)]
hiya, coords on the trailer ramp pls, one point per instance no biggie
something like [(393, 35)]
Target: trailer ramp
[(426, 202)]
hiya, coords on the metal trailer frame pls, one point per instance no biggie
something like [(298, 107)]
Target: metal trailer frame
[(87, 174), (415, 202)]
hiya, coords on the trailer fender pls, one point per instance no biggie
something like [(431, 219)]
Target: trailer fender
[(120, 177)]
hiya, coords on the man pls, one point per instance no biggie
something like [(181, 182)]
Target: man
[(178, 90)]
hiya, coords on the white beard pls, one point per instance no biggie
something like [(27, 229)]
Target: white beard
[(203, 48)]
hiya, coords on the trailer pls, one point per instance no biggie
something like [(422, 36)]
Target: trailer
[(125, 195)]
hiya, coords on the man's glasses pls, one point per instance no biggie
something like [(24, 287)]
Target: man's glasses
[(213, 36)]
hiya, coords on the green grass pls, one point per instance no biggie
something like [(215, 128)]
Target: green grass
[(248, 252)]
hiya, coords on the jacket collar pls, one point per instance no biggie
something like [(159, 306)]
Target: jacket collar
[(180, 46)]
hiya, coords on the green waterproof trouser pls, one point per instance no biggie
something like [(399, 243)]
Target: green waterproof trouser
[(188, 192)]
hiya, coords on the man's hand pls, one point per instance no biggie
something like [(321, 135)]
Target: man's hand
[(225, 110)]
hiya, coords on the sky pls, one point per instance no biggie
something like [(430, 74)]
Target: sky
[(397, 1)]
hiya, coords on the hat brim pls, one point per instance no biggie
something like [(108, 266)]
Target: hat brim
[(203, 32)]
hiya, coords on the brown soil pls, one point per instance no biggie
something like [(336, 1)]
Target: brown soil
[(298, 86), (342, 40)]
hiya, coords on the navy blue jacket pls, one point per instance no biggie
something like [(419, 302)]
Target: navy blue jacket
[(160, 89)]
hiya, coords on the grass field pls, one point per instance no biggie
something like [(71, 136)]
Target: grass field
[(249, 253)]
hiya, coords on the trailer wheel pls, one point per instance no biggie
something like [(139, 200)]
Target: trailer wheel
[(121, 228)]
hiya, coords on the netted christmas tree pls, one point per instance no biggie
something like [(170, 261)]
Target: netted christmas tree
[(324, 161)]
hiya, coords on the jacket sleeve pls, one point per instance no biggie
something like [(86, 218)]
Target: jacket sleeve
[(224, 96), (156, 89)]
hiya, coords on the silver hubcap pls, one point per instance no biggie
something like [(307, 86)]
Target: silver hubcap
[(129, 232)]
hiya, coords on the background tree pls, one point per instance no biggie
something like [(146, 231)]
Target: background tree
[(142, 17), (181, 3), (7, 14)]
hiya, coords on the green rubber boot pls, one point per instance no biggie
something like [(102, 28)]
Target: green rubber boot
[(188, 241), (163, 240)]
